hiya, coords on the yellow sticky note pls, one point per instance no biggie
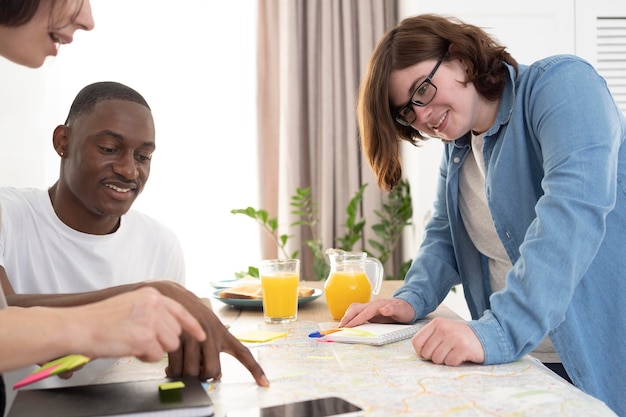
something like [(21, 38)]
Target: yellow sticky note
[(259, 336), (171, 385), (171, 392)]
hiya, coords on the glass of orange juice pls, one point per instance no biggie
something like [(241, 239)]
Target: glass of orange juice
[(279, 281)]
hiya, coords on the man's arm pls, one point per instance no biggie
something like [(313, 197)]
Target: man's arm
[(59, 300), (141, 323), (201, 359), (7, 288)]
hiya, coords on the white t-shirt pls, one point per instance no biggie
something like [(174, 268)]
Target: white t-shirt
[(42, 255)]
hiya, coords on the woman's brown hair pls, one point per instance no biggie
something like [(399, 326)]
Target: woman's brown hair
[(15, 13), (414, 40)]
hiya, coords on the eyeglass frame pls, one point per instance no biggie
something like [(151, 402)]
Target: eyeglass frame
[(411, 102)]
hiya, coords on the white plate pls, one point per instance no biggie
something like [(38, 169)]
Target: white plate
[(258, 303), (229, 283)]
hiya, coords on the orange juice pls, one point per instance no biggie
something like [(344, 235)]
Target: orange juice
[(280, 296), (343, 288)]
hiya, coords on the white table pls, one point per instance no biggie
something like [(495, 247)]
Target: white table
[(384, 381)]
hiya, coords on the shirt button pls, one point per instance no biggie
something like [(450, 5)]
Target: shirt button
[(456, 159)]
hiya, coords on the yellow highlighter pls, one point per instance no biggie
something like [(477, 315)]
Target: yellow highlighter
[(55, 367)]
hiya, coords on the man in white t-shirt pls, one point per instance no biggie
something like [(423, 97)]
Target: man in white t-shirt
[(79, 242), (81, 235), (43, 255)]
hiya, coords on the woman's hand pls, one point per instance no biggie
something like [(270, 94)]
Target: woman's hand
[(448, 342), (141, 323), (393, 310)]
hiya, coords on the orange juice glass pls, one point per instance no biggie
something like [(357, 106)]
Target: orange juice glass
[(344, 288), (279, 280)]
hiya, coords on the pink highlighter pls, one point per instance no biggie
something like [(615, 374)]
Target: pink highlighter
[(55, 367)]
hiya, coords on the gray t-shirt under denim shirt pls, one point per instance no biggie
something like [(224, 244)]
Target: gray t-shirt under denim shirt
[(479, 224)]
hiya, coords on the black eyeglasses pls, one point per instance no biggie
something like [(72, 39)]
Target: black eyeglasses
[(423, 94)]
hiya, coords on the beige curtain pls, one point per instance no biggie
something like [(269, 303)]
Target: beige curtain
[(311, 56)]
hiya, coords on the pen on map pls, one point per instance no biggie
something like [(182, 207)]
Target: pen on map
[(323, 333)]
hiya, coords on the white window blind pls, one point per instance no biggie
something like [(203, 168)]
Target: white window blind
[(611, 55)]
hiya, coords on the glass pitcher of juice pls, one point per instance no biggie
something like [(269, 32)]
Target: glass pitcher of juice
[(348, 281)]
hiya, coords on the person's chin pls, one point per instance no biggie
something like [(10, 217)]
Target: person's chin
[(33, 61), (115, 210)]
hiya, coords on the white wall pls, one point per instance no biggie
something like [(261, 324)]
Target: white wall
[(194, 62)]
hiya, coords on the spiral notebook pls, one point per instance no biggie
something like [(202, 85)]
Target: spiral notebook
[(376, 333)]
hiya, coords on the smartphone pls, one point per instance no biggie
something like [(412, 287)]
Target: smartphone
[(319, 407)]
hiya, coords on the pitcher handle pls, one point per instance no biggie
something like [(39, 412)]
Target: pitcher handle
[(379, 274)]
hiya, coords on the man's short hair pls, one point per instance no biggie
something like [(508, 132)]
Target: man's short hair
[(87, 98)]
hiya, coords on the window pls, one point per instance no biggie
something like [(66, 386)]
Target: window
[(611, 55), (601, 39), (194, 62)]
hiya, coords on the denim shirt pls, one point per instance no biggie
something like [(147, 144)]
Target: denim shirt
[(556, 188)]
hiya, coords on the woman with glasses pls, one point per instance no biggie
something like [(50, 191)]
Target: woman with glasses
[(530, 210)]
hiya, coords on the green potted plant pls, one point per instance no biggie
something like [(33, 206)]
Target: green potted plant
[(396, 214)]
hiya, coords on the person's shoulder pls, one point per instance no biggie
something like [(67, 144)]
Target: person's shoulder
[(559, 71), (22, 207), (10, 193), (14, 196), (555, 62)]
